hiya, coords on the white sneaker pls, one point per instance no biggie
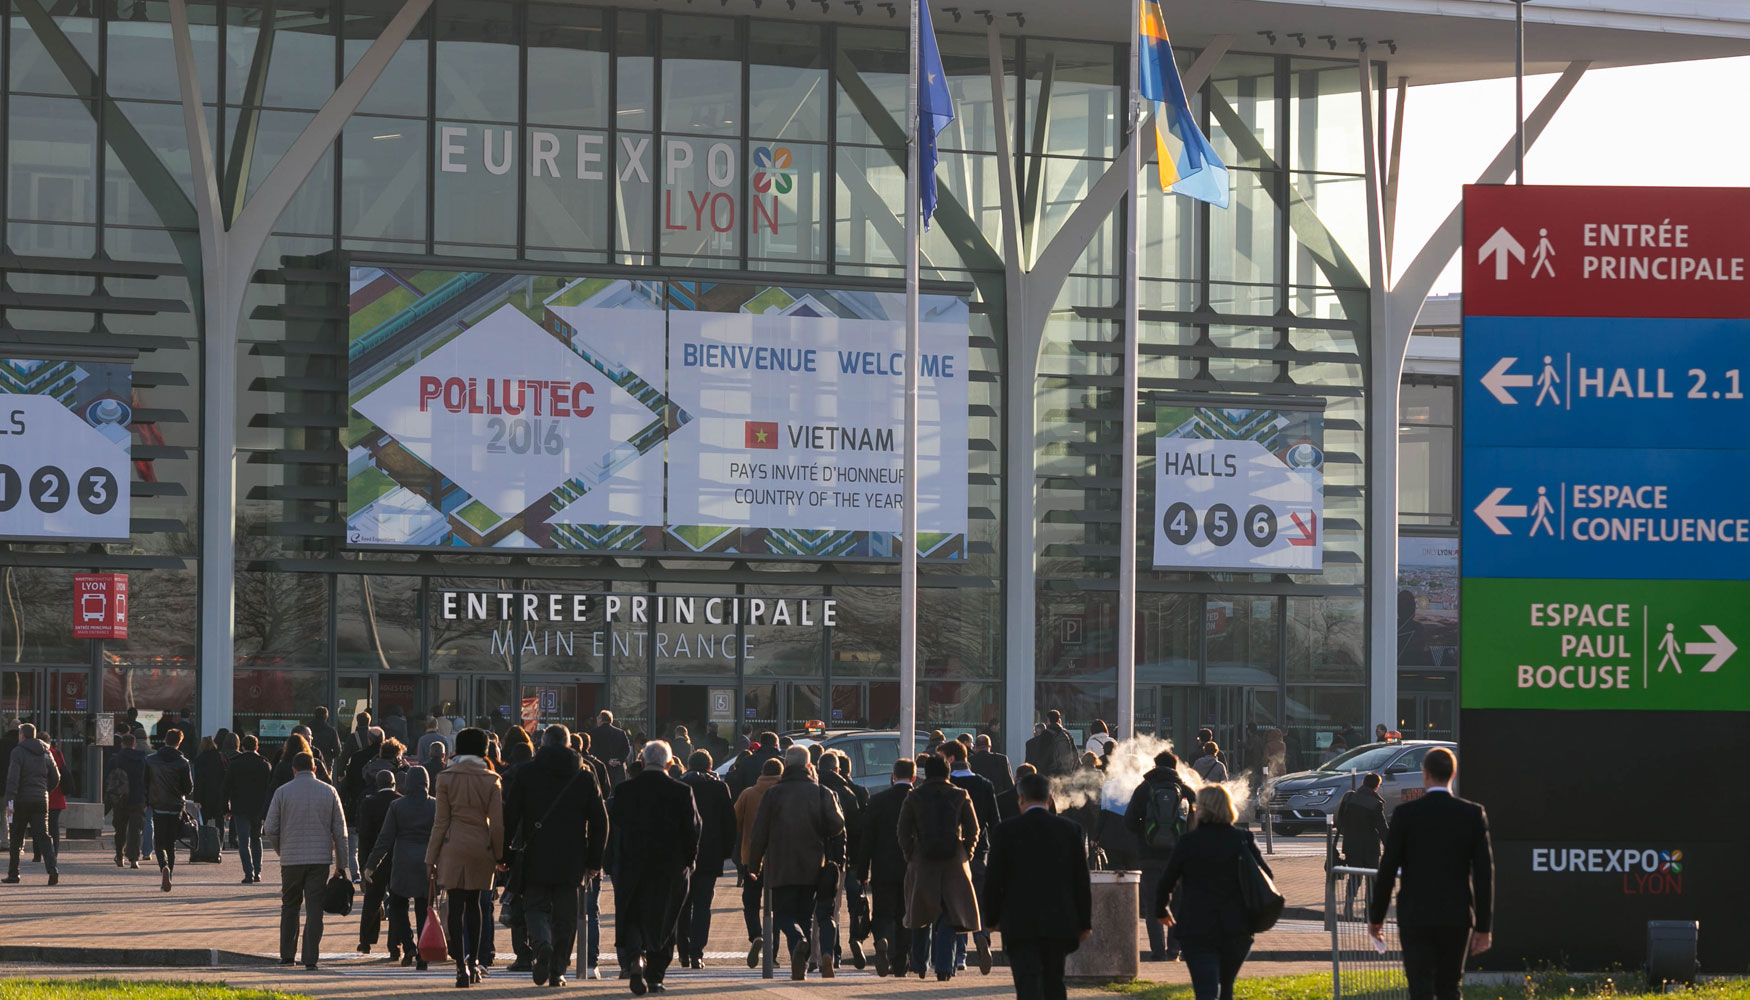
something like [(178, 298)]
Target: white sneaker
[(593, 973)]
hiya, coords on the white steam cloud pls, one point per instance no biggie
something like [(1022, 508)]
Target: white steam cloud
[(1125, 766)]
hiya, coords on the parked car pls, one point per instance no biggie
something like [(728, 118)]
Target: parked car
[(1304, 798), (872, 752)]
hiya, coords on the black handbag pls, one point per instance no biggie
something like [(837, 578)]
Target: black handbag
[(1258, 895), (337, 896)]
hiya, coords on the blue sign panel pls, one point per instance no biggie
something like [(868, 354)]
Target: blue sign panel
[(1561, 382), (1593, 513)]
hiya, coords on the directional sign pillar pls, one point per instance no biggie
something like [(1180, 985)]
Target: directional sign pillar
[(1606, 565)]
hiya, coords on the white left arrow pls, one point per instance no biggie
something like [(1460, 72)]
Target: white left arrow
[(1497, 381), (1491, 510), (1721, 649)]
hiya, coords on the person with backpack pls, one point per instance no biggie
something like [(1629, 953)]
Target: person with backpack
[(1158, 815), (798, 849), (1361, 824), (124, 792), (1202, 883), (938, 832)]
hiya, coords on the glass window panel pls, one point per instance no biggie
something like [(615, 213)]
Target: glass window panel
[(865, 642), (401, 89), (162, 128), (1080, 704), (300, 71), (1340, 203), (51, 161), (568, 66), (1078, 636), (477, 69), (1317, 716), (161, 603), (568, 189), (378, 622), (486, 645), (1168, 249), (312, 208), (700, 197), (634, 71), (872, 96), (142, 57), (1167, 638), (1425, 473), (1246, 86), (28, 61), (636, 163), (36, 624), (476, 184), (1240, 636), (959, 632), (280, 695), (383, 179), (699, 649), (1082, 110), (701, 75), (871, 189), (581, 647), (1324, 117), (281, 619), (787, 202), (1326, 637), (154, 691), (959, 706), (966, 58), (1243, 245), (789, 650), (1427, 404), (787, 81)]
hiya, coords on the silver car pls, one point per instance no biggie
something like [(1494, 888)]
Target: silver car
[(1302, 800)]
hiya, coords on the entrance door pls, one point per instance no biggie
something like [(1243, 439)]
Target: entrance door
[(563, 701), (475, 700), (59, 704), (1427, 716), (782, 706), (1241, 717)]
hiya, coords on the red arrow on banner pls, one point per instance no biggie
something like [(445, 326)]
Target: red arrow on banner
[(1309, 532)]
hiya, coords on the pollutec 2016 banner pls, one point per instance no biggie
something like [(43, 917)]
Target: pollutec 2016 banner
[(800, 416), (1239, 489), (64, 449), (535, 411)]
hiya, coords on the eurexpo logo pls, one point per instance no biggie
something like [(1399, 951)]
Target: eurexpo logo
[(1642, 871), (773, 170)]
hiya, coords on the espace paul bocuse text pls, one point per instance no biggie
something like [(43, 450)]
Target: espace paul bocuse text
[(635, 609)]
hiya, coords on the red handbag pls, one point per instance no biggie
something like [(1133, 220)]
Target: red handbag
[(432, 945)]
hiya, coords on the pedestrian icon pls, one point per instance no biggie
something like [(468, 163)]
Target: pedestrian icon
[(1668, 646), (1540, 256), (1540, 512), (1546, 383)]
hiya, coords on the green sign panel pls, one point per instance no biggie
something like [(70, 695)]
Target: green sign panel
[(1605, 644)]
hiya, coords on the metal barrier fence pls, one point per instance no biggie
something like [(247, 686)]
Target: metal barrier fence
[(1359, 971)]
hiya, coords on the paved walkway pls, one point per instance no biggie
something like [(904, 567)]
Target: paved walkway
[(98, 906)]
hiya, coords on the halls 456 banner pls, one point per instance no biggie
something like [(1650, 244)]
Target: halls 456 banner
[(1239, 489)]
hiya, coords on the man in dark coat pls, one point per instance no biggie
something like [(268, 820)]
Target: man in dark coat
[(553, 807), (589, 899), (1361, 824), (1037, 892), (608, 741), (323, 737), (656, 835), (984, 807), (31, 774), (938, 832), (1053, 750), (880, 864), (168, 783), (799, 849), (716, 840), (248, 785), (371, 815), (1156, 835), (991, 766), (852, 801), (130, 813), (749, 765), (1439, 844)]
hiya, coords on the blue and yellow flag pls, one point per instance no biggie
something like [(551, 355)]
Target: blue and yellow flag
[(1188, 164), (935, 110)]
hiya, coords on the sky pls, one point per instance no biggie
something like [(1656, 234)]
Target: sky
[(1671, 125)]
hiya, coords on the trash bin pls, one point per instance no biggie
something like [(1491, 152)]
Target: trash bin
[(1110, 954)]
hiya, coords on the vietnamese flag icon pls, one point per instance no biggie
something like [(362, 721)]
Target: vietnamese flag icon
[(761, 434)]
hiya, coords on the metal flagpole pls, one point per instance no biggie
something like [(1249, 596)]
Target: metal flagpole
[(1518, 91), (1125, 724), (908, 558)]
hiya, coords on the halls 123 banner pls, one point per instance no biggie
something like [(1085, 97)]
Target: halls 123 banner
[(1239, 489), (64, 449), (590, 414)]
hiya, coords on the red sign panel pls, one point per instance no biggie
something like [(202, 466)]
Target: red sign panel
[(100, 606), (1677, 253)]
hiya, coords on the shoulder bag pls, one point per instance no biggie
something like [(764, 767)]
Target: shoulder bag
[(1258, 895)]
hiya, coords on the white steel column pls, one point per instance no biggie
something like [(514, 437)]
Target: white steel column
[(908, 559), (1127, 493), (1382, 438)]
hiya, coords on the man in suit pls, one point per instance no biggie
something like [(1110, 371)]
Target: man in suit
[(991, 766), (1036, 892), (880, 864), (608, 741), (1053, 750), (1440, 845), (655, 829), (716, 840)]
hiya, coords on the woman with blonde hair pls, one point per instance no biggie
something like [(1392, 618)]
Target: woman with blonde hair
[(1199, 893), (466, 848)]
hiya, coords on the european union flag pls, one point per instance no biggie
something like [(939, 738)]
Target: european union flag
[(935, 109), (1188, 164)]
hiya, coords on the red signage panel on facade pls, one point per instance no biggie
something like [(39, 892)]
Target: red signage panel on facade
[(1679, 253), (100, 606)]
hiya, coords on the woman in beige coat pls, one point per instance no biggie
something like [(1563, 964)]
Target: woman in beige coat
[(466, 846)]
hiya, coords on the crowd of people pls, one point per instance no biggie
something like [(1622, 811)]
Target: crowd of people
[(518, 829)]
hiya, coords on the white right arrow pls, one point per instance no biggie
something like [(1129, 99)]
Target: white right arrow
[(1491, 510), (1502, 244), (1497, 381), (1721, 649)]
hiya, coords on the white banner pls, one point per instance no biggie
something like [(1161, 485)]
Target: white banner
[(800, 419), (1236, 505), (64, 449)]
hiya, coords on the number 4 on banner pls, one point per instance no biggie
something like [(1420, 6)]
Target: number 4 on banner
[(1309, 528)]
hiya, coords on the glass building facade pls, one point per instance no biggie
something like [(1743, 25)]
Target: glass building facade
[(567, 140)]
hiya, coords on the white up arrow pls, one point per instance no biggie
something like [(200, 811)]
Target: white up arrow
[(1721, 649), (1501, 245), (1497, 381), (1491, 510)]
